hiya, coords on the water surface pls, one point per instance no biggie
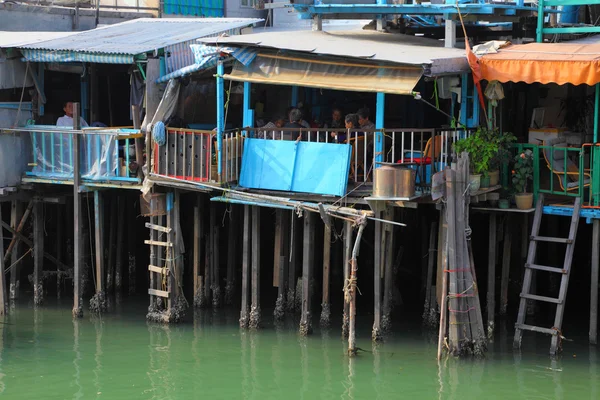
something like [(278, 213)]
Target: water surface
[(45, 354)]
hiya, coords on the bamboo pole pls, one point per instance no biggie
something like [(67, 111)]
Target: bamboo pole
[(350, 290), (378, 250), (347, 257)]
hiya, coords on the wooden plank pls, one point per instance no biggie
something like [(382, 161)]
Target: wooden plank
[(159, 293), (594, 282), (158, 270), (77, 220), (158, 243), (491, 288), (158, 227), (244, 313)]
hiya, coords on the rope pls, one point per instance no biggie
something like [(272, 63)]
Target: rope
[(159, 133), (16, 262), (22, 93), (462, 311)]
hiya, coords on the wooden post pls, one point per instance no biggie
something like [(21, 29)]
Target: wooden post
[(208, 267), (594, 282), (429, 312), (98, 302), (178, 251), (454, 331), (379, 247), (325, 306), (232, 239), (120, 238), (3, 296), (215, 284), (278, 265), (131, 249), (307, 273), (293, 261), (443, 259), (139, 144), (505, 266), (77, 220), (351, 290), (112, 246), (244, 314), (17, 237), (15, 216), (491, 289), (197, 250), (347, 256), (254, 322), (38, 253), (154, 260), (59, 245), (388, 276)]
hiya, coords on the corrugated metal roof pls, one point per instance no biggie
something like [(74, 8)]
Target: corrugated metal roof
[(15, 39), (375, 46), (140, 35)]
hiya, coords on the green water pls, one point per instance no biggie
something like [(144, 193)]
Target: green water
[(44, 354)]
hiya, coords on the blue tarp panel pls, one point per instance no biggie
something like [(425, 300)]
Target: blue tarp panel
[(319, 168)]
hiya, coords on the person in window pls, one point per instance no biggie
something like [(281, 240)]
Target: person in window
[(272, 129), (67, 119), (295, 116), (363, 119), (337, 121), (351, 125)]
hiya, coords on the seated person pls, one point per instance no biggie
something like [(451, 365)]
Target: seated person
[(295, 116), (363, 119), (67, 119), (270, 130), (336, 120), (351, 125)]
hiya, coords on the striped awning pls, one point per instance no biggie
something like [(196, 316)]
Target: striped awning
[(71, 56), (182, 72)]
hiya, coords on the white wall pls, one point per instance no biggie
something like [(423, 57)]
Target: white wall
[(233, 9)]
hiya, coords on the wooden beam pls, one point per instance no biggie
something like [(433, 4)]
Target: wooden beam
[(232, 243), (244, 314), (132, 236), (59, 244), (120, 242), (307, 273), (77, 220), (255, 308), (99, 241), (38, 253), (197, 247), (379, 247), (346, 267), (18, 229), (388, 275), (15, 216), (326, 307), (3, 294), (112, 245)]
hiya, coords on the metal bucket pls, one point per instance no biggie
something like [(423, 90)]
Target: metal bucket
[(394, 181)]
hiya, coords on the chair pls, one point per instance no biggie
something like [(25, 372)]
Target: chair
[(432, 151), (555, 161)]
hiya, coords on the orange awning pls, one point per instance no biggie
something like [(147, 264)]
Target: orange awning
[(575, 63)]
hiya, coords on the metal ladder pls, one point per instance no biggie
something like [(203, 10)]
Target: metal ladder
[(565, 271)]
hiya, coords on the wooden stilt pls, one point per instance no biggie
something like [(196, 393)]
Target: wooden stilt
[(3, 294), (505, 266), (178, 303), (491, 289), (307, 273), (15, 217), (59, 246), (429, 313), (246, 261), (77, 221), (98, 302), (216, 279), (254, 322), (232, 239), (455, 334), (347, 256), (379, 247), (131, 250), (208, 268), (350, 291), (112, 246), (197, 250), (120, 239), (17, 237), (279, 262), (294, 259), (594, 282), (38, 253), (325, 306), (154, 260), (443, 258), (388, 276)]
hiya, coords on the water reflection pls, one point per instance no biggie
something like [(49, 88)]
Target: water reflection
[(159, 371), (77, 360), (3, 324), (99, 327)]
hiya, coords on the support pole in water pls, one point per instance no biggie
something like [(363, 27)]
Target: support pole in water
[(254, 322), (3, 296), (325, 306), (38, 253), (131, 246), (351, 289), (378, 249), (215, 263), (16, 215), (491, 289), (278, 265), (244, 314), (388, 275), (120, 239), (347, 256), (308, 256), (98, 301), (232, 239), (197, 252), (59, 245), (112, 246), (77, 221), (594, 282), (293, 260)]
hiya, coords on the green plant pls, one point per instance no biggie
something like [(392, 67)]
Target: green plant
[(504, 141), (522, 171), (481, 150)]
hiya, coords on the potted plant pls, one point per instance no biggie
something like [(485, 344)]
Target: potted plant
[(522, 173), (481, 151), (504, 140)]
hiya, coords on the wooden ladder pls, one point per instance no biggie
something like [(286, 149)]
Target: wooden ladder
[(163, 271), (565, 271)]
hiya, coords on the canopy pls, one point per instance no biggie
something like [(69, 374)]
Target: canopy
[(570, 62)]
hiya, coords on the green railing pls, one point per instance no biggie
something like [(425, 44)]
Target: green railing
[(562, 171)]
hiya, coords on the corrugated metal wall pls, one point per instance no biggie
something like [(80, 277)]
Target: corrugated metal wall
[(200, 8)]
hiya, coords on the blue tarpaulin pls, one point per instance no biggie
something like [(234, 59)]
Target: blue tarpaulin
[(319, 168)]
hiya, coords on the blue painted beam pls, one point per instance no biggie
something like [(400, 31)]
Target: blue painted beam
[(220, 113), (412, 9), (589, 213), (573, 29), (379, 124), (248, 121), (294, 99)]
